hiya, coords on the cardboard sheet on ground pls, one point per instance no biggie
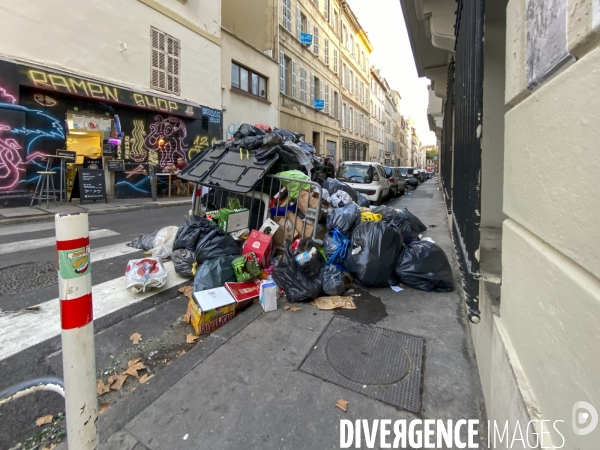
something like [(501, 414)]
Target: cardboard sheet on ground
[(334, 302)]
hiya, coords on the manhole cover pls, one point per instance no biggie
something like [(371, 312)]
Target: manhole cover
[(381, 364), (27, 277), (368, 357)]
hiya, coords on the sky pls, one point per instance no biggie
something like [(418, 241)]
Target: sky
[(384, 23)]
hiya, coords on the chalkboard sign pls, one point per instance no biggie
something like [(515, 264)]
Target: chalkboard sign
[(89, 185), (116, 165), (70, 155), (108, 149), (92, 163)]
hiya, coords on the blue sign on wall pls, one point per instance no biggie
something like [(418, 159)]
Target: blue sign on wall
[(319, 104), (306, 38)]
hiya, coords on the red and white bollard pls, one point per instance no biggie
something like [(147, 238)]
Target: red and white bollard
[(76, 314)]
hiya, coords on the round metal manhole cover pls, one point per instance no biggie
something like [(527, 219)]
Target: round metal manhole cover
[(27, 277), (368, 357)]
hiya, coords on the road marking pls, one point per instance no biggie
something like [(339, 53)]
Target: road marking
[(30, 228), (47, 242), (18, 333), (111, 251)]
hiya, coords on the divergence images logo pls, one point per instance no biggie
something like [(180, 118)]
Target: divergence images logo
[(581, 417)]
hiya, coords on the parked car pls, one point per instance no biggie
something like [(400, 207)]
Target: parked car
[(397, 183), (368, 178)]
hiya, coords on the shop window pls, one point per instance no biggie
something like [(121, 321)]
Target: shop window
[(165, 62), (248, 81)]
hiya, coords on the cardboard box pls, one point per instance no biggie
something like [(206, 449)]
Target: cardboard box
[(308, 228), (268, 296), (243, 292), (261, 244), (286, 231), (308, 205), (231, 220), (210, 309)]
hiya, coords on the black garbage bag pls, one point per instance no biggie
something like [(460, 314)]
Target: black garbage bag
[(264, 154), (246, 129), (183, 261), (251, 142), (287, 135), (401, 220), (306, 147), (333, 281), (215, 243), (188, 234), (413, 219), (373, 253), (333, 185), (144, 242), (412, 182), (287, 156), (271, 140), (344, 219), (362, 201), (423, 265), (300, 283), (213, 273)]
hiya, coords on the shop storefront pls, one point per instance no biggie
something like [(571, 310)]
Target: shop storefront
[(43, 111)]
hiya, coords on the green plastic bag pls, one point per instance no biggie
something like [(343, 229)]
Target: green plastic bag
[(292, 186), (213, 273)]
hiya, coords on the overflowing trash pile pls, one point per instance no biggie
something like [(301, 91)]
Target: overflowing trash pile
[(313, 243)]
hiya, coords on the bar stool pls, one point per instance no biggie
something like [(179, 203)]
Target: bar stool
[(46, 177)]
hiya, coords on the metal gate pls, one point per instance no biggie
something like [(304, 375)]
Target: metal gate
[(447, 135), (466, 174)]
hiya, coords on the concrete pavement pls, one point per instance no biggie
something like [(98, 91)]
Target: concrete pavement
[(242, 388)]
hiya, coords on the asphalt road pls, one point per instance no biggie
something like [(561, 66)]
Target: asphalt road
[(29, 343)]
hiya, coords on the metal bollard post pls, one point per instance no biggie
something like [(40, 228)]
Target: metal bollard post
[(79, 361)]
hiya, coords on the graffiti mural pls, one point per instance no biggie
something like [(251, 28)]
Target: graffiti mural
[(173, 132), (11, 164)]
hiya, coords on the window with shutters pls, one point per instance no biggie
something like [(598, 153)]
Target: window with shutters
[(335, 60), (287, 15), (350, 119), (316, 41), (343, 121), (302, 84), (312, 90), (316, 2), (326, 49), (165, 67), (326, 9), (334, 105), (350, 79), (326, 105), (298, 22), (293, 79), (343, 74), (282, 70)]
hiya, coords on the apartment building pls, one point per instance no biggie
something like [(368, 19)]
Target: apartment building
[(249, 70), (355, 50), (389, 125), (401, 146), (145, 72), (377, 116), (309, 67)]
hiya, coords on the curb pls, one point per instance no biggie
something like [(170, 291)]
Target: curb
[(108, 210)]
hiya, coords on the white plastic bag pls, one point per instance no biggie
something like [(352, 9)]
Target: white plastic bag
[(143, 274), (163, 242), (340, 198)]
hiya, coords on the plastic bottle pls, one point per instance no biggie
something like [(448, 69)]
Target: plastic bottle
[(305, 257)]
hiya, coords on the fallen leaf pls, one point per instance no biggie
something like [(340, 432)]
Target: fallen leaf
[(110, 380), (168, 361), (342, 404), (135, 338), (185, 319), (186, 290), (118, 383), (311, 328), (190, 339), (133, 369), (180, 353), (132, 362), (133, 389), (103, 407), (52, 447), (102, 388), (44, 420), (145, 378), (287, 307), (295, 308)]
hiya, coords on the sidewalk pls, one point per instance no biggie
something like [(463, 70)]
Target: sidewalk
[(40, 213), (242, 386)]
